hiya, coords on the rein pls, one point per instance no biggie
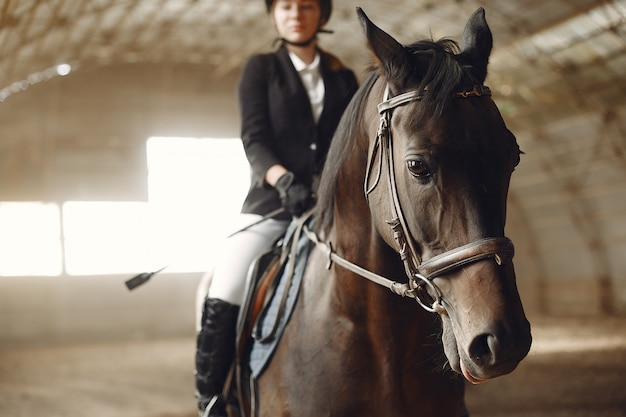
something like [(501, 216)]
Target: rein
[(421, 274)]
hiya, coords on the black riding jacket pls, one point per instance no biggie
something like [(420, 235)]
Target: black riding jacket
[(277, 124)]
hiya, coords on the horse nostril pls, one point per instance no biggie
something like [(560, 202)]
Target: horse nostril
[(481, 350)]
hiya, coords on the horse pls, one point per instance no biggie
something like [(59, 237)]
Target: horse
[(410, 288)]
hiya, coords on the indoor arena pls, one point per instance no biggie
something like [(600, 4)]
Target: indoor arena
[(122, 171)]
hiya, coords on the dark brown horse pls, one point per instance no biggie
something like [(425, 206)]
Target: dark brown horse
[(414, 193)]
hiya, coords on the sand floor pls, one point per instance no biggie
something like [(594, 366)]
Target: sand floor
[(576, 368)]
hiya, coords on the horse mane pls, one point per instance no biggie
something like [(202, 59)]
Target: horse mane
[(341, 145), (432, 68)]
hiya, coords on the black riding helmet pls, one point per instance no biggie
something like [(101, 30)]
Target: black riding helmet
[(326, 7)]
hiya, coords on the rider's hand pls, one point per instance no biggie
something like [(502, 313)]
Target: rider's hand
[(296, 198)]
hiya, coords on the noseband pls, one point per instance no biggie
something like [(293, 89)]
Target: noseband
[(420, 273)]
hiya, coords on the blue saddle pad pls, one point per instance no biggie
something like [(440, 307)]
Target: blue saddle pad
[(262, 352)]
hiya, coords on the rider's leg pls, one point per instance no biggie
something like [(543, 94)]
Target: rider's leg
[(214, 352), (201, 292), (216, 338)]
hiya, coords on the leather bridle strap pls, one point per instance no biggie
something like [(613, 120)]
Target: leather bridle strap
[(395, 287), (392, 103), (500, 248), (420, 273), (407, 250)]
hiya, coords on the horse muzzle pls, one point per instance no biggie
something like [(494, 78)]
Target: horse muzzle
[(486, 333)]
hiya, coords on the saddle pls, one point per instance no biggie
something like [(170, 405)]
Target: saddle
[(270, 295)]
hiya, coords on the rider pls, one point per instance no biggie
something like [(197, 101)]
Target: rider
[(290, 103)]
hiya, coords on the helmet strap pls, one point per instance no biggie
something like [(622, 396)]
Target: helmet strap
[(308, 41), (305, 43)]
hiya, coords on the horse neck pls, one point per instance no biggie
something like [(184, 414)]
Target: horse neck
[(382, 320)]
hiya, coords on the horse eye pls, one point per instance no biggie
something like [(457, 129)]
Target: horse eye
[(418, 168)]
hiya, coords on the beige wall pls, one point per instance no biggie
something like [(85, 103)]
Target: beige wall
[(60, 310), (82, 137)]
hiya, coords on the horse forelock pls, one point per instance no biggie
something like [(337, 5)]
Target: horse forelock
[(433, 69)]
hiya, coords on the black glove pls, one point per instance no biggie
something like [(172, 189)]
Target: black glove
[(296, 198)]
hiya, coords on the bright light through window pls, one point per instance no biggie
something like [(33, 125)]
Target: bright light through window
[(30, 239), (210, 172), (107, 237), (196, 188)]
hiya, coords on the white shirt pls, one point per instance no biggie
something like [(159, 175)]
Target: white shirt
[(313, 82)]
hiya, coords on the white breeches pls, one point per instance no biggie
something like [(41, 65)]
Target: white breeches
[(234, 259)]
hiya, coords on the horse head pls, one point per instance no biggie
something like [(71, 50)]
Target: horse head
[(440, 160)]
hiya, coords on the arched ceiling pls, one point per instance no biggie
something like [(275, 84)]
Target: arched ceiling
[(579, 43), (551, 60), (558, 72)]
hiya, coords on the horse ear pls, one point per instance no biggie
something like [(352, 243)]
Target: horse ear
[(390, 54), (476, 45)]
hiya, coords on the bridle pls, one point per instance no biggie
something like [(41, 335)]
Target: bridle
[(420, 273)]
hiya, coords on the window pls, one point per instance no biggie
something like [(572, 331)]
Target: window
[(30, 239), (107, 237), (196, 187)]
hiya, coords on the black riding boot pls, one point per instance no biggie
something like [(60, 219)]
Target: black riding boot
[(215, 352)]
